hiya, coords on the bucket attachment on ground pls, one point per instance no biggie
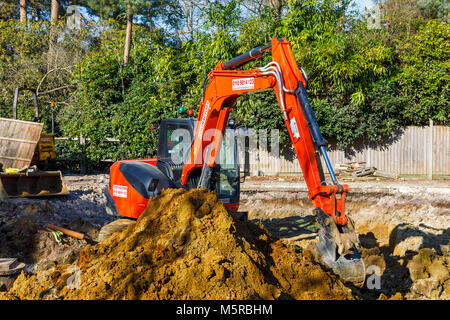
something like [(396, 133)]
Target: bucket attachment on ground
[(32, 184), (9, 266), (337, 249)]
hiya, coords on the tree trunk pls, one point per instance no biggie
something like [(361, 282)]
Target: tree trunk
[(23, 12), (54, 12), (53, 21), (277, 5), (126, 52), (33, 14)]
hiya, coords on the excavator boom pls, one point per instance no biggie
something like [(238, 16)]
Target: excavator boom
[(338, 240)]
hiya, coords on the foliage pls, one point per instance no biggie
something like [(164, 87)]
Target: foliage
[(424, 78), (23, 64), (146, 12), (364, 83), (130, 98), (435, 9), (343, 66)]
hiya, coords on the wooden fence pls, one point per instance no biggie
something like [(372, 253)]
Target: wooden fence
[(413, 151), (82, 156)]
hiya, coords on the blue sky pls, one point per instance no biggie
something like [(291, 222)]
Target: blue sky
[(360, 4), (364, 3)]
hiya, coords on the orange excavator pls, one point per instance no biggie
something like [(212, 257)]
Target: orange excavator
[(193, 159)]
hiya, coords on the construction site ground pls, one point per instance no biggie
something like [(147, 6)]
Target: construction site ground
[(403, 224)]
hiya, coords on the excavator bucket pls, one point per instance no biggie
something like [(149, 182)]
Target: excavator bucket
[(337, 249), (32, 184)]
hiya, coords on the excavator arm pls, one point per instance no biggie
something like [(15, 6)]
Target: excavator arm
[(225, 85), (284, 77)]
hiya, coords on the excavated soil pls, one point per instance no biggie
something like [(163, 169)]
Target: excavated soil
[(403, 227), (404, 230), (23, 235), (185, 246)]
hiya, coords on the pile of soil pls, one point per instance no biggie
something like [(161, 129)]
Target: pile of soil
[(186, 246)]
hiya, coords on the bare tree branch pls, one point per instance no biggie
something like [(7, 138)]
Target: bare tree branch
[(56, 89), (48, 73)]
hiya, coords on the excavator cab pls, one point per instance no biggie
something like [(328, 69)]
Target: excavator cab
[(228, 181), (174, 145), (174, 148), (134, 182)]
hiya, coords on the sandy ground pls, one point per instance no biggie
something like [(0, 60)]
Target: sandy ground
[(404, 227)]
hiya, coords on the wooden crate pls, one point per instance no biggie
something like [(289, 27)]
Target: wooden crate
[(18, 140)]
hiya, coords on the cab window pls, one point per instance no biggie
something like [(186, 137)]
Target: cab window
[(177, 142), (228, 181)]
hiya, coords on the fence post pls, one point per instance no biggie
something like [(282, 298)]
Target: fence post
[(16, 97), (82, 154), (430, 150)]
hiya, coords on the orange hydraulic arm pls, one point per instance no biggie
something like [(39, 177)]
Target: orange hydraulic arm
[(284, 77)]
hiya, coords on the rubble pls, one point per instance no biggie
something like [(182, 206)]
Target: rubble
[(23, 222), (187, 246), (403, 227)]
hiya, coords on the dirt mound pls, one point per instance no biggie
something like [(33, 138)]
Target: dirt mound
[(7, 296), (186, 246), (23, 223)]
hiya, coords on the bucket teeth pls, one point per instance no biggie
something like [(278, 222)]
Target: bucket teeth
[(337, 249)]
